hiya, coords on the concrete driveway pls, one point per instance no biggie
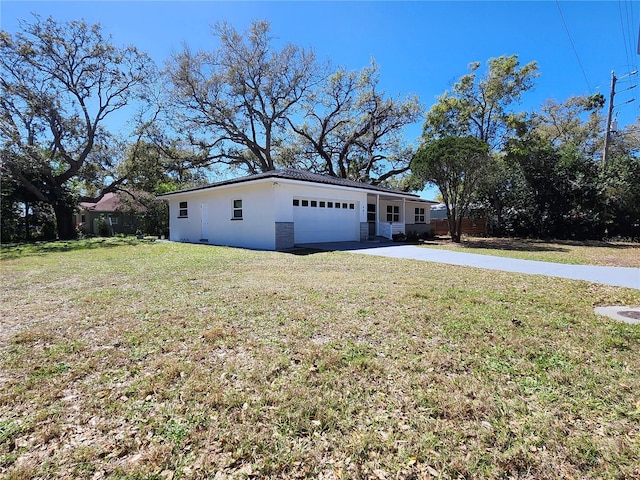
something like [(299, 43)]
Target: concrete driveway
[(616, 276)]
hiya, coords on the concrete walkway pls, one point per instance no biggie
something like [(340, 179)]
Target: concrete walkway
[(616, 276)]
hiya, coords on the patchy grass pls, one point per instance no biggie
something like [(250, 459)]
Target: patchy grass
[(573, 252), (164, 360), (17, 250)]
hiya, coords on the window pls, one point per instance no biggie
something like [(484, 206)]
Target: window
[(237, 210), (337, 204), (371, 212), (393, 213), (329, 204), (352, 206), (113, 219), (296, 202), (419, 215), (314, 203), (305, 203), (183, 213), (83, 218), (322, 204)]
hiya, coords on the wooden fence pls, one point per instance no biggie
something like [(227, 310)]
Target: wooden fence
[(470, 226)]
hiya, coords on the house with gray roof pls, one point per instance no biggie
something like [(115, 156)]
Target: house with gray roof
[(280, 209)]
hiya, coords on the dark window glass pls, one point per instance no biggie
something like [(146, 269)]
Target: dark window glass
[(237, 209)]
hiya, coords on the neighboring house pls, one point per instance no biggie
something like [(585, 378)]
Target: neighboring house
[(106, 213), (279, 209)]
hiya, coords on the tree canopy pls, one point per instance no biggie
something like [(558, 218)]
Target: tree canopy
[(352, 130), (233, 102), (455, 165), (252, 106), (478, 106), (58, 83)]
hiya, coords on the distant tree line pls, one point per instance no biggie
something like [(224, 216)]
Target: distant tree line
[(541, 174), (254, 104)]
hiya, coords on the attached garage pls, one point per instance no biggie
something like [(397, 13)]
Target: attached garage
[(323, 220)]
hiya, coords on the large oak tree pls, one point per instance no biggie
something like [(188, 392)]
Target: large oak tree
[(352, 129), (58, 84), (233, 101)]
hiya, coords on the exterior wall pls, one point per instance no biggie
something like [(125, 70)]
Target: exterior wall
[(403, 217), (210, 217), (419, 227)]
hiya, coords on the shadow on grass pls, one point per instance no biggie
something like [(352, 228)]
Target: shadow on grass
[(303, 252), (18, 250), (529, 245), (514, 245)]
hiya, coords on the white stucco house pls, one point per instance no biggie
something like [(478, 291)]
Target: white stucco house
[(280, 209)]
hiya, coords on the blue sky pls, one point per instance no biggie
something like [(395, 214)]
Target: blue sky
[(422, 47)]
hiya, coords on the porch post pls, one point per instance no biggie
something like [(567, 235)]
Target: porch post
[(404, 214), (377, 214)]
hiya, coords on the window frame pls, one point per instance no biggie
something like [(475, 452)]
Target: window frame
[(183, 210), (393, 213), (419, 216), (236, 211)]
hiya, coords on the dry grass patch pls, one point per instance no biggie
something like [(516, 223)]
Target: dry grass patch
[(612, 254), (182, 361)]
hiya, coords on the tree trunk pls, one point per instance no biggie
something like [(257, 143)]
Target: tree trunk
[(64, 222), (454, 228), (27, 233)]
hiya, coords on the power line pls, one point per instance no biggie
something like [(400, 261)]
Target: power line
[(575, 51), (623, 29)]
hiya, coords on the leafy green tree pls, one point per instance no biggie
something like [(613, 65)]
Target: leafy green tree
[(561, 198), (455, 165), (58, 83), (479, 105), (620, 183), (575, 122), (150, 170), (567, 133)]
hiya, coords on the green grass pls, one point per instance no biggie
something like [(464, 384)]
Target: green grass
[(154, 360), (615, 254)]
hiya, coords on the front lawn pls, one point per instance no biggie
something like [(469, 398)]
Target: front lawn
[(613, 254), (166, 361)]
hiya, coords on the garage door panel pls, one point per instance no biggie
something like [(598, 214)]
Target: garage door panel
[(314, 224)]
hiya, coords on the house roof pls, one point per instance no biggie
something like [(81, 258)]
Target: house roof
[(302, 176), (110, 202)]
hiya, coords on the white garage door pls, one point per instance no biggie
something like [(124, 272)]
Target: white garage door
[(318, 220)]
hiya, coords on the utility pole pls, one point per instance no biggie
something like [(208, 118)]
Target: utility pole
[(607, 133)]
